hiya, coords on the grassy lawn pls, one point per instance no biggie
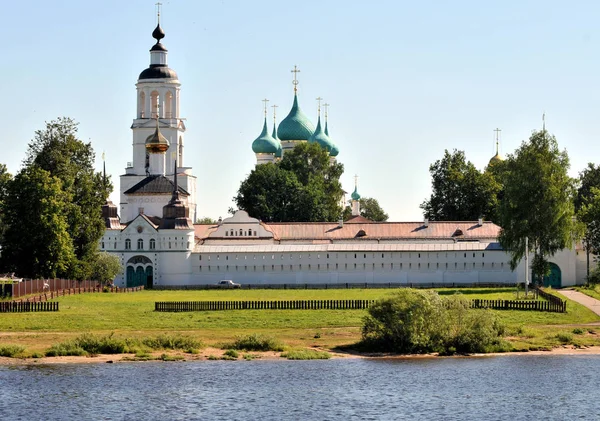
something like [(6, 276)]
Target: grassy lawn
[(592, 290), (133, 315)]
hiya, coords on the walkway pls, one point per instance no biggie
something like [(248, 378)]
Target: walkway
[(584, 300)]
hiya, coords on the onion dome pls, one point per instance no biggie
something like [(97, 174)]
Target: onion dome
[(334, 149), (176, 215), (496, 158), (355, 195), (265, 143), (296, 126), (158, 59), (279, 152), (321, 138), (157, 143)]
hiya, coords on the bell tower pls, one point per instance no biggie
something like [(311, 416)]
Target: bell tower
[(158, 95)]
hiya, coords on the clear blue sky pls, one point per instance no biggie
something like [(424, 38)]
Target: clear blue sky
[(405, 81)]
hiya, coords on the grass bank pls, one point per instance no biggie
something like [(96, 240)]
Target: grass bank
[(132, 316)]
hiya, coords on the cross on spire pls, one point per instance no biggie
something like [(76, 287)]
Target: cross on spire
[(326, 106), (319, 99), (497, 130), (158, 11), (355, 180), (544, 121), (295, 82), (274, 111), (265, 101)]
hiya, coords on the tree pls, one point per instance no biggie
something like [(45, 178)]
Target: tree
[(105, 267), (206, 220), (303, 186), (57, 149), (5, 179), (36, 242), (370, 209), (460, 192), (589, 179), (537, 202), (589, 216)]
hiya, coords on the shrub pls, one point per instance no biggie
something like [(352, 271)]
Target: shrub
[(232, 353), (578, 331), (11, 351), (255, 342), (416, 321), (166, 357), (64, 349), (306, 354), (172, 342), (107, 344), (213, 358), (564, 338)]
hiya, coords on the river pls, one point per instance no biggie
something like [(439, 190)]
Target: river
[(489, 388)]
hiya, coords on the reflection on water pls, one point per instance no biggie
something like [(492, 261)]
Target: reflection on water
[(508, 387)]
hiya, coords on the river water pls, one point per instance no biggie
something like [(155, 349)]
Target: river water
[(489, 388)]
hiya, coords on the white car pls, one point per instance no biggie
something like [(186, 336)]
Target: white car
[(228, 284)]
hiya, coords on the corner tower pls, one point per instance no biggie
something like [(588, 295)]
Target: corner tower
[(158, 98)]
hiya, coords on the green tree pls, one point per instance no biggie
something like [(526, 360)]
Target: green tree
[(537, 202), (589, 216), (303, 186), (370, 209), (206, 220), (588, 178), (460, 192), (105, 267), (36, 242), (57, 149), (5, 179)]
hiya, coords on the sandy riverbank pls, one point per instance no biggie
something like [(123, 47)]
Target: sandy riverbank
[(209, 353)]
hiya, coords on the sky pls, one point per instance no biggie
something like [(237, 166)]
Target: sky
[(405, 80)]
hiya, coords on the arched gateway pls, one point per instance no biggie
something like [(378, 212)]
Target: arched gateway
[(139, 272)]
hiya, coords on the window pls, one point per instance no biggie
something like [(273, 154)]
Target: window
[(199, 256), (115, 245), (128, 244), (102, 245), (226, 234), (153, 245)]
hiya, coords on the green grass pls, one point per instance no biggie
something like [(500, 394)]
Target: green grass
[(306, 354), (132, 318), (11, 351), (591, 290), (255, 342)]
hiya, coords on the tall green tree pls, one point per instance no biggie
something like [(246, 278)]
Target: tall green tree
[(36, 241), (589, 215), (303, 186), (5, 179), (57, 149), (537, 202), (460, 192), (589, 179), (370, 209), (105, 267)]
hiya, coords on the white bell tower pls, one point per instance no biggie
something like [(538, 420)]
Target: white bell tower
[(158, 91)]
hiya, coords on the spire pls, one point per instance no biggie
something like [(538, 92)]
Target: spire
[(176, 187), (355, 202), (497, 157), (158, 32), (326, 106), (497, 130), (295, 82), (176, 214), (274, 121)]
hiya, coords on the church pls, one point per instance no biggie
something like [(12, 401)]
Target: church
[(152, 229)]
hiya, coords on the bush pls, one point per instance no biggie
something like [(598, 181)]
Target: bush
[(594, 277), (306, 354), (107, 344), (172, 342), (11, 351), (65, 349), (255, 342), (232, 353), (565, 338), (416, 321), (578, 331)]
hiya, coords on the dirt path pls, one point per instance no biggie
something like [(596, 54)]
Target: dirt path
[(584, 300)]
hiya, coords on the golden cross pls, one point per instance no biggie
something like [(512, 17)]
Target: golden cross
[(158, 10), (265, 101), (497, 130), (295, 82), (274, 111), (355, 180), (544, 121), (319, 99), (326, 106)]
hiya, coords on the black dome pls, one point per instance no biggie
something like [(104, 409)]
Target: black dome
[(158, 47), (158, 72)]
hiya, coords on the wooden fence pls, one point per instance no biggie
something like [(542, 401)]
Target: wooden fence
[(26, 306), (534, 305), (72, 291), (36, 286), (177, 306)]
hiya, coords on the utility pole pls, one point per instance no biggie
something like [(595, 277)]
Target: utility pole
[(526, 266)]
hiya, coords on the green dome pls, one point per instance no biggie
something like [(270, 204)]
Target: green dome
[(355, 195), (321, 138), (265, 143), (334, 149), (279, 152), (296, 126)]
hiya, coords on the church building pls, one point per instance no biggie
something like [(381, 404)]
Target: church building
[(159, 246)]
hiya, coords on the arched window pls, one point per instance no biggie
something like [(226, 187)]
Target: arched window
[(154, 104), (152, 244), (128, 244), (102, 245), (142, 105), (168, 105), (140, 244)]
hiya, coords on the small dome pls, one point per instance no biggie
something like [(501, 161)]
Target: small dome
[(158, 33), (158, 72), (495, 158), (321, 138), (265, 143), (296, 126), (157, 143), (355, 195)]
